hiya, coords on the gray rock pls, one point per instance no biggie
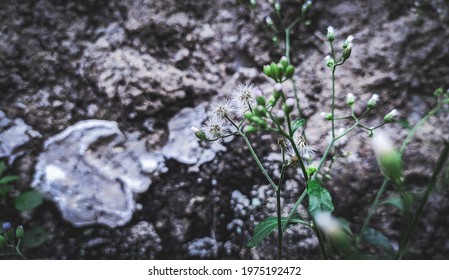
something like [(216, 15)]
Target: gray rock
[(203, 248), (91, 171), (132, 77), (14, 136), (182, 144)]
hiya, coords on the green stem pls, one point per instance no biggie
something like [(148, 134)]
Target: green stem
[(258, 162), (295, 207), (279, 206), (371, 211), (321, 241), (333, 100), (416, 127), (408, 234)]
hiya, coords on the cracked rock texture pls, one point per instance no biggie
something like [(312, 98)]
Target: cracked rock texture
[(98, 97)]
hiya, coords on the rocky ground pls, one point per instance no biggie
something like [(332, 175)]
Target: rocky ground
[(137, 185)]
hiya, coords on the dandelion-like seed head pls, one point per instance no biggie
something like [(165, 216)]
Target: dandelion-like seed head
[(221, 109), (305, 151), (243, 97), (214, 128)]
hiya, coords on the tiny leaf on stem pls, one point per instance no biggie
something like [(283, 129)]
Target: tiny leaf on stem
[(377, 239), (266, 227), (28, 201), (297, 124)]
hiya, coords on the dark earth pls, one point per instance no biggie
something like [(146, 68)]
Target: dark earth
[(62, 62)]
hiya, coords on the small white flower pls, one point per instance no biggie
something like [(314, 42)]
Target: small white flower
[(221, 109), (350, 99), (305, 151), (214, 128), (243, 97), (373, 101), (327, 223), (391, 116), (350, 38), (330, 34)]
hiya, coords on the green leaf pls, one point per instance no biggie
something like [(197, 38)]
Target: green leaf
[(28, 200), (35, 237), (2, 167), (266, 227), (394, 201), (8, 179), (5, 189), (298, 123), (320, 199), (376, 238)]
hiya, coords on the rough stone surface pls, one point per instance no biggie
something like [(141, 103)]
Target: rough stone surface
[(14, 136), (182, 145), (139, 63)]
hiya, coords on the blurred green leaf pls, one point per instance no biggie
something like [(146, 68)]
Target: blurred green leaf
[(394, 201), (8, 179), (2, 167), (377, 239), (266, 227), (320, 199), (35, 237), (28, 200), (5, 189)]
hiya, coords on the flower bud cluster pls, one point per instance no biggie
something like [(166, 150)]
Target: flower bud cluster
[(280, 71), (332, 61)]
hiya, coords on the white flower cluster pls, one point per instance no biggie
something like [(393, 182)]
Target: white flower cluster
[(222, 112)]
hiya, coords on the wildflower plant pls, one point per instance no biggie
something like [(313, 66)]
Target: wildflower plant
[(253, 112)]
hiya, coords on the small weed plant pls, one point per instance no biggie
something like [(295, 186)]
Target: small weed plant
[(251, 113)]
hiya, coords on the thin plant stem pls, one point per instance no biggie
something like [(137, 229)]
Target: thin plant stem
[(258, 162), (371, 211), (410, 229), (293, 211), (279, 206)]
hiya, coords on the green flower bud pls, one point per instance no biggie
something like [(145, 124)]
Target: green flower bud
[(305, 7), (267, 71), (327, 116), (390, 116), (201, 135), (330, 62), (277, 95), (275, 70), (253, 3), (284, 62), (347, 52), (350, 99), (330, 34), (438, 92), (332, 228), (289, 105), (20, 232), (280, 116), (261, 100), (289, 71), (281, 70), (260, 111), (372, 102), (388, 157), (277, 8), (348, 41), (250, 129), (269, 21)]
